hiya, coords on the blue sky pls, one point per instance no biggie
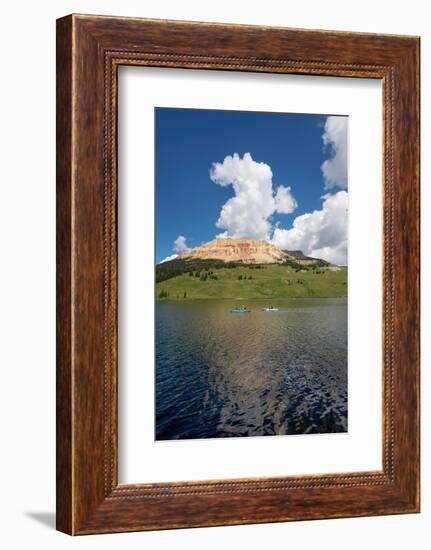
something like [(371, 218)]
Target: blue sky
[(293, 147)]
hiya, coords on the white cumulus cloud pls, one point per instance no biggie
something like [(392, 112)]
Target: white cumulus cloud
[(169, 258), (248, 213), (321, 233), (334, 136), (285, 202), (180, 245)]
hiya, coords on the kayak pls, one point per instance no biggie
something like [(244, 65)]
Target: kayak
[(240, 310), (270, 309)]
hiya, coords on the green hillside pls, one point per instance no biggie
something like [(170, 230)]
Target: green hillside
[(247, 282)]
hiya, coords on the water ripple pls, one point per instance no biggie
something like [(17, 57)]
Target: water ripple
[(224, 375)]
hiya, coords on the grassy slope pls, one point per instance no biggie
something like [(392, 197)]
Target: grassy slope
[(270, 281)]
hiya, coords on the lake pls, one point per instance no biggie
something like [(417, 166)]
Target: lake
[(263, 373)]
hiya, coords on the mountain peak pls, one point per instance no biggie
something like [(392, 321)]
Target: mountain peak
[(248, 251)]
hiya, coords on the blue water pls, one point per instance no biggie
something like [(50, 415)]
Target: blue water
[(276, 373)]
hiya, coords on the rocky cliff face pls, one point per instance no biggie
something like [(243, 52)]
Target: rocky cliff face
[(247, 251)]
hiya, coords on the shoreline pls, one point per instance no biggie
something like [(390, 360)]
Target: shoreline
[(259, 298)]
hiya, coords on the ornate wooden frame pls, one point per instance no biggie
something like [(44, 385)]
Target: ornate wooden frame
[(89, 51)]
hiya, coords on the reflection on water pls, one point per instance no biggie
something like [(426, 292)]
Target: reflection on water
[(224, 375)]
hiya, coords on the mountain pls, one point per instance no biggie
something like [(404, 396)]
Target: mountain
[(299, 257), (248, 251), (240, 269)]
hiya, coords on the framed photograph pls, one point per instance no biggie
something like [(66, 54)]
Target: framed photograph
[(237, 274)]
